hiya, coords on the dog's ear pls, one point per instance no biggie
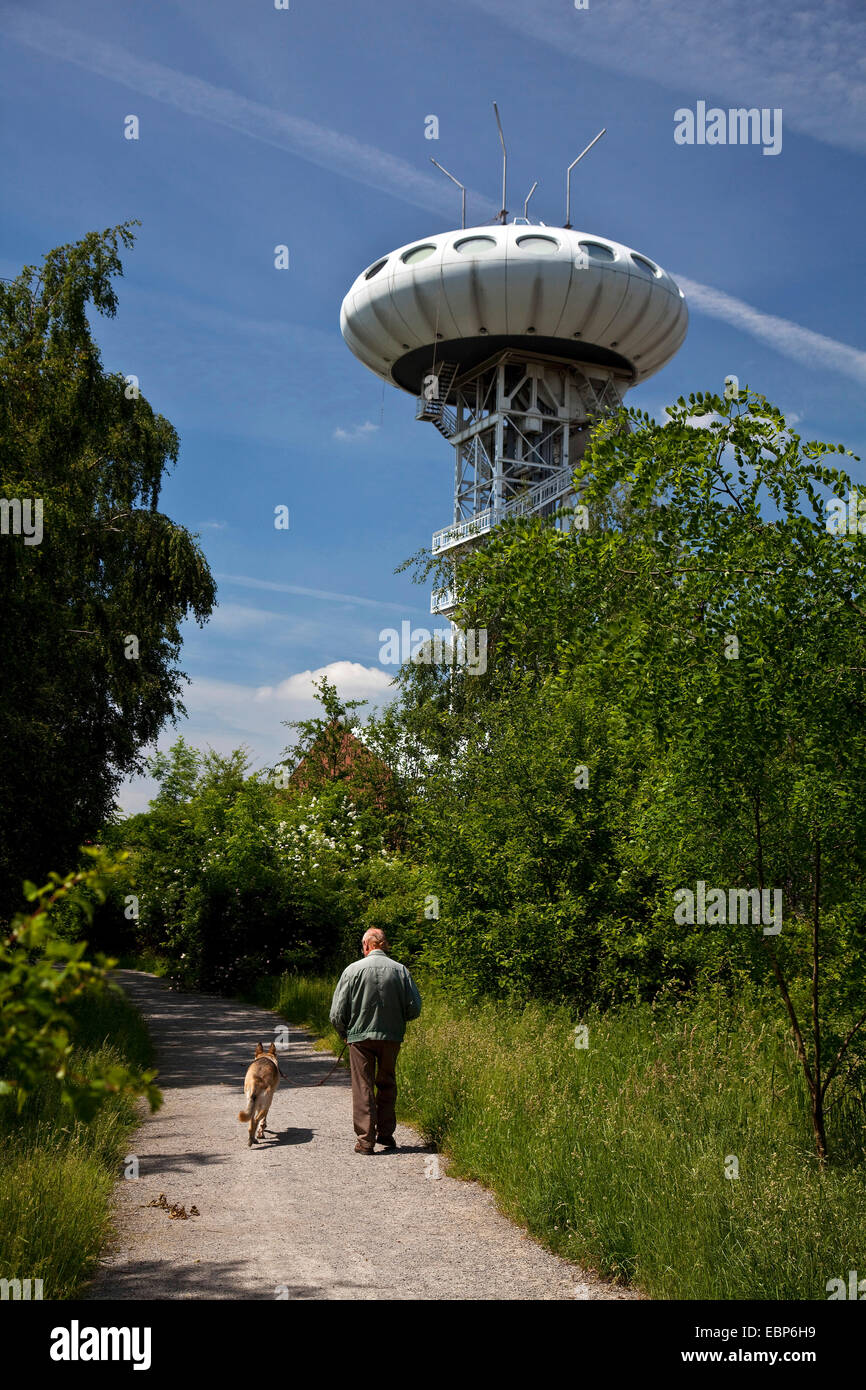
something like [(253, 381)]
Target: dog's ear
[(259, 1049), (272, 1050)]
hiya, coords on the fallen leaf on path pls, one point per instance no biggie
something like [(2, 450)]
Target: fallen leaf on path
[(176, 1211)]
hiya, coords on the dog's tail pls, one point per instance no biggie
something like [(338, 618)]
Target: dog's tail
[(245, 1115)]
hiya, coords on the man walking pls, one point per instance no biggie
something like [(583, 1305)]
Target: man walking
[(374, 1000)]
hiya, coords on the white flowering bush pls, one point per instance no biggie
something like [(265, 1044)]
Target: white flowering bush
[(237, 879)]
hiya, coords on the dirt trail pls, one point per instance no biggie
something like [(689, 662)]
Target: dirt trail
[(299, 1213)]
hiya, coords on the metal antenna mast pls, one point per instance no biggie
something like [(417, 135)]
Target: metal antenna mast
[(528, 196), (504, 213), (459, 185), (568, 175)]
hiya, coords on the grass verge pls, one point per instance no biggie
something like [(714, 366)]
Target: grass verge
[(57, 1174), (147, 961), (616, 1155)]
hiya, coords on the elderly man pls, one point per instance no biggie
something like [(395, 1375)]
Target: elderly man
[(374, 1000)]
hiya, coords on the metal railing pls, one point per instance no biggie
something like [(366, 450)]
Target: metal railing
[(442, 600), (461, 531)]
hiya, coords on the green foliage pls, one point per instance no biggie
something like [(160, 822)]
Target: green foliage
[(57, 1173), (527, 873), (237, 878), (76, 707), (41, 976), (751, 647), (701, 650), (333, 751)]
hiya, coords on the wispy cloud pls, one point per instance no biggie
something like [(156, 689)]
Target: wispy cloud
[(329, 149), (249, 582), (239, 620), (807, 59), (825, 42), (791, 339), (351, 436)]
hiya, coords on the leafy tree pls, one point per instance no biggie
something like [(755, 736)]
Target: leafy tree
[(93, 612), (321, 742), (333, 750), (41, 973), (527, 873), (745, 648), (176, 772)]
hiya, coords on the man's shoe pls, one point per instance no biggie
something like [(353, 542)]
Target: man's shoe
[(387, 1143), (362, 1148)]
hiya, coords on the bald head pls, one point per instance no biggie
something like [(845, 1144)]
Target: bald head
[(373, 940)]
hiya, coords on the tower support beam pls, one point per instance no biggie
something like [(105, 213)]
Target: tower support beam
[(522, 423)]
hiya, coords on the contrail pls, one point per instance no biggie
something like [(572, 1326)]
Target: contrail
[(375, 168), (329, 149), (789, 338), (248, 582)]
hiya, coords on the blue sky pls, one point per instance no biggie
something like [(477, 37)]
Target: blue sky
[(306, 127)]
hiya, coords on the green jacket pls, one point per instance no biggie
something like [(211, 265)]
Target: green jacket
[(375, 998)]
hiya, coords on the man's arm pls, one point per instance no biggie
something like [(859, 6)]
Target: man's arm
[(340, 1007), (412, 997)]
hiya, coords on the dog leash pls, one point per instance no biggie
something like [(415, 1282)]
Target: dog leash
[(315, 1083)]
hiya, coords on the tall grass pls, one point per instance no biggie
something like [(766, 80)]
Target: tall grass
[(615, 1155), (303, 999), (145, 960), (57, 1174)]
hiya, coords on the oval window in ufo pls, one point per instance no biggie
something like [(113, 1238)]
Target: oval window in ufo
[(374, 269), (475, 245), (645, 266), (417, 253), (596, 251), (539, 245)]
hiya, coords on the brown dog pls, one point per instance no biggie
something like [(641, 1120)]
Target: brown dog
[(260, 1084)]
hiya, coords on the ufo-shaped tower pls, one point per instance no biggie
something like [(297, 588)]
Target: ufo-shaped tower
[(514, 337)]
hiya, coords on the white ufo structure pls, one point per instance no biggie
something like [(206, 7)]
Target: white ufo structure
[(514, 337)]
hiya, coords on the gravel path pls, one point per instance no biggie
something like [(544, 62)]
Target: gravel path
[(300, 1215)]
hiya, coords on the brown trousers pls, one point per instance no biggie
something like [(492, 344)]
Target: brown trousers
[(374, 1089)]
